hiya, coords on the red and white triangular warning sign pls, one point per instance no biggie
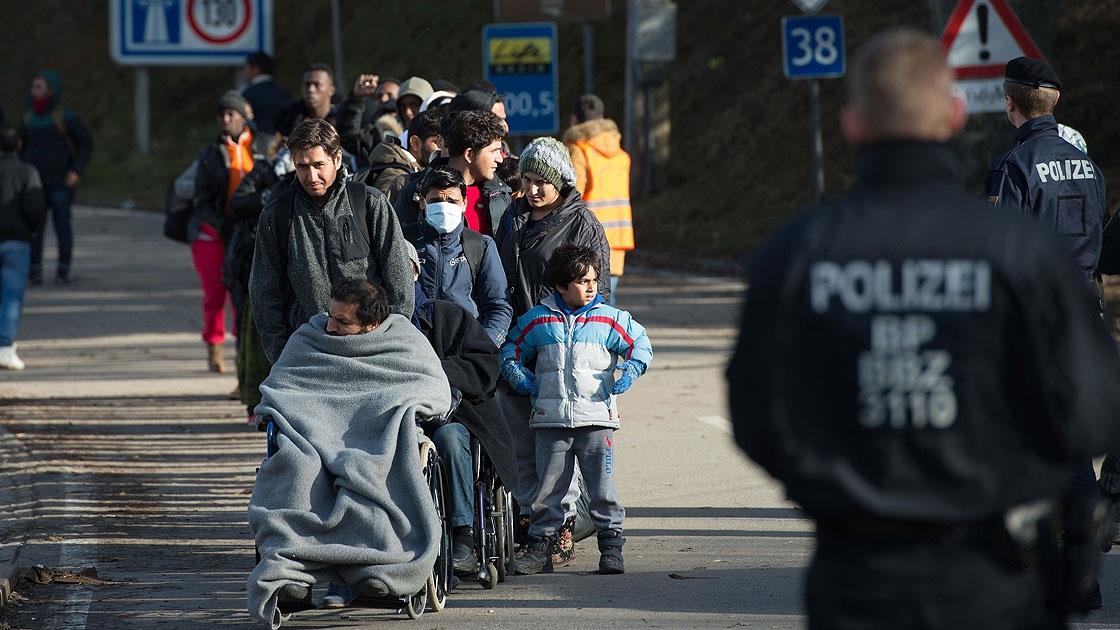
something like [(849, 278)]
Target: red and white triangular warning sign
[(982, 36)]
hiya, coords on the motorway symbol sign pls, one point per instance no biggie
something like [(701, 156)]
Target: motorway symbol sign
[(980, 37), (810, 6), (188, 32), (521, 61), (813, 46)]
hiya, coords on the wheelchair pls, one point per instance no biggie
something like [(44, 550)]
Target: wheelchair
[(494, 512), (435, 591)]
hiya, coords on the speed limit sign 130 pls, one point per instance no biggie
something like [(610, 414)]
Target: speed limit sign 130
[(813, 46)]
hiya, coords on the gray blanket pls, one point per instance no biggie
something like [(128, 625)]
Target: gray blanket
[(344, 499)]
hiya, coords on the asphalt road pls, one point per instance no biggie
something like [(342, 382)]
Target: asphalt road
[(119, 452)]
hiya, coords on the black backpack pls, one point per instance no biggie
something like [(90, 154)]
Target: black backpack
[(177, 221)]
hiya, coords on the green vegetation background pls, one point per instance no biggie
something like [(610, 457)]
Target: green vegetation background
[(740, 140)]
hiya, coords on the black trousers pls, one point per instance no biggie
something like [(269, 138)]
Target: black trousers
[(920, 585)]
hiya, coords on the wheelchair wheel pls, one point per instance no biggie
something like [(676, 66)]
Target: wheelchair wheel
[(416, 604), (503, 533), (437, 586)]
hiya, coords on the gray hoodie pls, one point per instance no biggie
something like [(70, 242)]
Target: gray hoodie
[(325, 244)]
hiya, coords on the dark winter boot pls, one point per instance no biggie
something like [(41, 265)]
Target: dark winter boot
[(463, 557), (537, 557), (610, 553)]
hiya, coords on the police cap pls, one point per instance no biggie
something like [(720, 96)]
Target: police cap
[(1032, 72)]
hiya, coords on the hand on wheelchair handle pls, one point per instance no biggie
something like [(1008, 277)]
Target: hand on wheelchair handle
[(519, 378)]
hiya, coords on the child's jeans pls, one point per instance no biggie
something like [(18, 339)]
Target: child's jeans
[(557, 453)]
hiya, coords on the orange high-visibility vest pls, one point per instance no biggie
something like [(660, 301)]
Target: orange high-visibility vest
[(608, 195)]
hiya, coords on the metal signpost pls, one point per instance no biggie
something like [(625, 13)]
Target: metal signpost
[(520, 60), (146, 33), (813, 48)]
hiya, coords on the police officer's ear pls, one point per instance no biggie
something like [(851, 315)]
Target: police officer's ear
[(958, 116), (852, 126)]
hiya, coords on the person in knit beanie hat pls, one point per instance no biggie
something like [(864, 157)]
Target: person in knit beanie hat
[(549, 158)]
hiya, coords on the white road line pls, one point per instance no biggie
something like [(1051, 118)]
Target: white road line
[(74, 558), (718, 422)]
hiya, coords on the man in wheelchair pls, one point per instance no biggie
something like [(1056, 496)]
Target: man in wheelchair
[(343, 497)]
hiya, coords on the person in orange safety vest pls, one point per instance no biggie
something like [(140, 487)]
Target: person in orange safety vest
[(603, 177)]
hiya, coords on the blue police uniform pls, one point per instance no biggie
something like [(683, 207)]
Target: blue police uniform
[(889, 375), (1047, 178)]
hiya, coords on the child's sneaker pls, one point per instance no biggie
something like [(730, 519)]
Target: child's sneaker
[(610, 553), (564, 549), (537, 557)]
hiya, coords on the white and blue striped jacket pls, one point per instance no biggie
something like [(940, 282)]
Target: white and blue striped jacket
[(575, 354)]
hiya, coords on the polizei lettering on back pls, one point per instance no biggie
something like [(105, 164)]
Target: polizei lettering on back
[(903, 381), (1061, 170), (863, 286)]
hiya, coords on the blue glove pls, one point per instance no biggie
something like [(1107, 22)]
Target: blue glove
[(519, 378), (630, 372)]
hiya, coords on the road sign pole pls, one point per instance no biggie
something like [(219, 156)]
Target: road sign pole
[(336, 31), (141, 100), (588, 58), (818, 143)]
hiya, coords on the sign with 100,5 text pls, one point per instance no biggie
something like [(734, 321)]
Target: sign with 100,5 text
[(521, 61)]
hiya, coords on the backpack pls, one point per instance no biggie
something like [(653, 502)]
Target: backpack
[(286, 205), (474, 247), (179, 205)]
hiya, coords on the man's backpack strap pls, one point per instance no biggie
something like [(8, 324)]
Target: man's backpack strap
[(474, 248), (356, 195)]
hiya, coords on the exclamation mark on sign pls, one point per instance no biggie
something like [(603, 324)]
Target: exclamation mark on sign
[(982, 19)]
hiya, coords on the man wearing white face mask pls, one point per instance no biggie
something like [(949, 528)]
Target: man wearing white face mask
[(456, 263)]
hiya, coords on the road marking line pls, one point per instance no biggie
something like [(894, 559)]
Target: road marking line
[(74, 558), (718, 422)]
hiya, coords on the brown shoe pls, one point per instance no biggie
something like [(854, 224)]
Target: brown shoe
[(214, 360)]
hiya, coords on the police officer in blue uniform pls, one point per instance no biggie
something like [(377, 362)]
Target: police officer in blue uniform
[(1046, 177), (922, 374), (1043, 176)]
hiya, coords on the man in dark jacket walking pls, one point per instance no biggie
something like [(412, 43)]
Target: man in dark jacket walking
[(923, 375), (310, 237), (458, 264), (263, 93), (22, 213), (58, 145)]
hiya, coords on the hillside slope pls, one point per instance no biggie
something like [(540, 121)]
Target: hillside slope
[(740, 143)]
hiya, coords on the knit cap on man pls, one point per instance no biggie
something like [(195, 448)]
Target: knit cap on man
[(548, 157), (232, 100)]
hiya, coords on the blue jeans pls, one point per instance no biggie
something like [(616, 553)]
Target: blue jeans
[(453, 443), (59, 198), (15, 260)]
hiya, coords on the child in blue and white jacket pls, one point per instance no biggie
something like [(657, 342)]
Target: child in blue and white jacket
[(575, 342)]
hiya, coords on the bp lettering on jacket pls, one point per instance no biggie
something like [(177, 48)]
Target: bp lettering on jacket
[(903, 377)]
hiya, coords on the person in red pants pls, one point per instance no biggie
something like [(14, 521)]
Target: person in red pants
[(220, 167)]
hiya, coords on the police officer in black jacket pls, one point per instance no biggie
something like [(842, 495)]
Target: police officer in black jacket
[(1043, 176), (916, 368)]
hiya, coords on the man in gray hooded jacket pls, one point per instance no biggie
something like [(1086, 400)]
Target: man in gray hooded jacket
[(311, 236)]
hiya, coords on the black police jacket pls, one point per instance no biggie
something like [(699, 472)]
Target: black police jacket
[(908, 353), (1049, 179)]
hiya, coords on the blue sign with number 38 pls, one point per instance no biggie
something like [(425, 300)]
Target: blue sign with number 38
[(813, 46)]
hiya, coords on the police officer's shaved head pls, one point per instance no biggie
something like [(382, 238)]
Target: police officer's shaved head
[(900, 87)]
